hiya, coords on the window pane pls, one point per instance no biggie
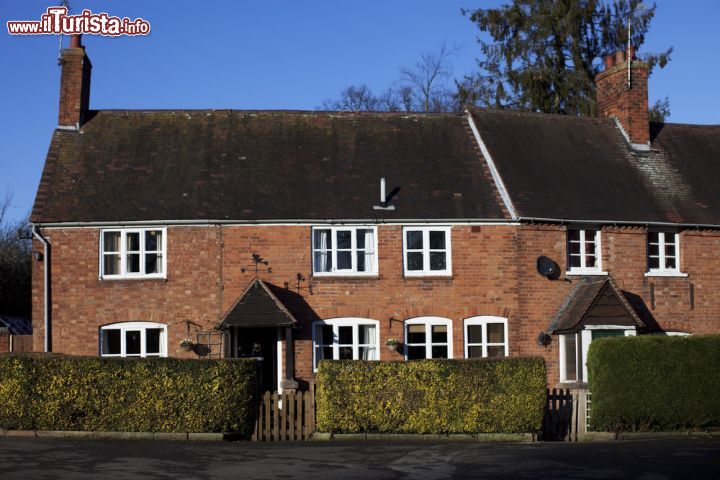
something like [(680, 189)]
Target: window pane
[(590, 261), (324, 334), (496, 351), (590, 248), (153, 240), (368, 353), (591, 235), (653, 237), (654, 250), (366, 335), (111, 241), (414, 240), (361, 235), (574, 261), (607, 333), (323, 262), (322, 239), (132, 342), (324, 353), (133, 263), (670, 263), (670, 249), (437, 240), (152, 340), (474, 333), (437, 261), (496, 333), (439, 333), (439, 351), (344, 260), (416, 352), (416, 334), (345, 335), (111, 342), (574, 248), (345, 353), (153, 263), (570, 357), (361, 261), (574, 235), (654, 263), (133, 242), (474, 352), (344, 239), (415, 261), (111, 265)]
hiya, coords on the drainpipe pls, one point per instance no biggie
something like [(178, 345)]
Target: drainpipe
[(46, 290)]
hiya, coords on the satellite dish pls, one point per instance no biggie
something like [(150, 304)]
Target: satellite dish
[(548, 268)]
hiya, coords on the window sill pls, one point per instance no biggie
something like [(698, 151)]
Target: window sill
[(346, 275), (666, 274), (131, 279), (585, 273), (428, 275)]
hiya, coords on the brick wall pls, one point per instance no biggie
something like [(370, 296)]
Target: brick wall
[(493, 274), (629, 106)]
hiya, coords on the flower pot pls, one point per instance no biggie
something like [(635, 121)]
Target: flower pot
[(186, 347), (393, 347)]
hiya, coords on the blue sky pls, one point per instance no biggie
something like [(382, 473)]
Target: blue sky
[(283, 55)]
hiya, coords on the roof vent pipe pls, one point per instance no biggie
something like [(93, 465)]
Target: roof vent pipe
[(383, 198)]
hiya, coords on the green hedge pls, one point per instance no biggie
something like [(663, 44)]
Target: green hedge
[(47, 392), (431, 396), (655, 383)]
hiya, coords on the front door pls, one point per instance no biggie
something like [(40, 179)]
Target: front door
[(259, 343)]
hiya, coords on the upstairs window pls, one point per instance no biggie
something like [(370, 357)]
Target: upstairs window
[(426, 251), (133, 253), (133, 339), (344, 250), (663, 253), (583, 247)]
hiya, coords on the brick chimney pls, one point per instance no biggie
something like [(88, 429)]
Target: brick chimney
[(625, 99), (74, 85)]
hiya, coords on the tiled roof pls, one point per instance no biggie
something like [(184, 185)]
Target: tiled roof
[(264, 165), (574, 168)]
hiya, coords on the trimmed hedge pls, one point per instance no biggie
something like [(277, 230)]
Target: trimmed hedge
[(431, 396), (49, 392), (655, 383)]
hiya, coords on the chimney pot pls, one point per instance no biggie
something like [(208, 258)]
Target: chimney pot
[(619, 57), (75, 41), (609, 61)]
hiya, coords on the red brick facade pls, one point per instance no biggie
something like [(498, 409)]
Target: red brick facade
[(74, 85), (494, 273)]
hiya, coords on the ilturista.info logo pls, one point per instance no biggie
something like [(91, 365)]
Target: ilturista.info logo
[(56, 21)]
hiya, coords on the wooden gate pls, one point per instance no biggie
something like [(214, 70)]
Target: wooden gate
[(289, 416), (567, 414)]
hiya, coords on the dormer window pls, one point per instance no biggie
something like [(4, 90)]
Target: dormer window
[(583, 247), (663, 254)]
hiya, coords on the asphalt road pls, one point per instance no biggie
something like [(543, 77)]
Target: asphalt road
[(34, 458)]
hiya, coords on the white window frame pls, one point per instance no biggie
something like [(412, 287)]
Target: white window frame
[(484, 320), (123, 253), (425, 272), (336, 323), (142, 327), (353, 249), (583, 269), (662, 271), (429, 322), (584, 339)]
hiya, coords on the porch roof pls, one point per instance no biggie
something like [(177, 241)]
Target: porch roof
[(595, 302), (258, 307)]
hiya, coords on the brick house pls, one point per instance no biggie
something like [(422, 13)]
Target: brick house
[(297, 236)]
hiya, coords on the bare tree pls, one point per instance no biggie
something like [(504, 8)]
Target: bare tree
[(15, 273), (428, 81), (425, 87)]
